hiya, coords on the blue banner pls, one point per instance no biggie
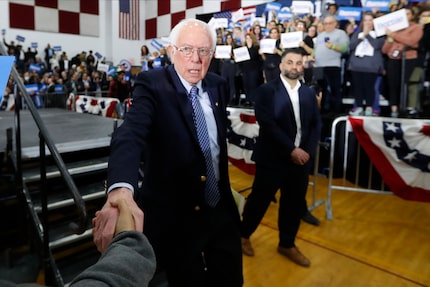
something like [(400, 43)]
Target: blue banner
[(380, 5), (346, 13), (35, 68), (20, 38), (6, 63), (57, 48)]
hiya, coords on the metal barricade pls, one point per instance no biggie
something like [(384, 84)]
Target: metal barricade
[(347, 153)]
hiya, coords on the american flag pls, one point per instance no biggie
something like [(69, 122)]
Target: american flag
[(245, 21), (129, 23), (400, 151)]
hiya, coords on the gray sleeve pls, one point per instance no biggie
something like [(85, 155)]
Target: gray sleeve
[(129, 261)]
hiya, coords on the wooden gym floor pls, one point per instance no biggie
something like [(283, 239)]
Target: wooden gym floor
[(374, 240)]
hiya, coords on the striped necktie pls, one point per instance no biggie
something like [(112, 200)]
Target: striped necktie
[(212, 195)]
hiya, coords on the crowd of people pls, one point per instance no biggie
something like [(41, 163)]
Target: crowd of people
[(343, 59)]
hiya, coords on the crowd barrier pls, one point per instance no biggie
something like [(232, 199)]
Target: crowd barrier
[(380, 155), (93, 105)]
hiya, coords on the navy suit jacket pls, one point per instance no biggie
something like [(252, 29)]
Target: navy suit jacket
[(159, 130), (275, 116)]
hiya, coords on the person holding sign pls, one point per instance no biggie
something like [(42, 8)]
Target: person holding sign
[(365, 63), (252, 69), (272, 59), (402, 43)]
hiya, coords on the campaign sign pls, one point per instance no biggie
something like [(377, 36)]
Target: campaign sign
[(217, 23), (285, 14), (273, 6), (102, 67), (32, 88), (394, 21), (98, 55), (380, 5), (347, 13), (6, 63), (34, 45), (3, 32), (223, 52), (20, 38), (126, 64), (241, 54), (302, 7), (268, 46), (291, 39), (57, 48), (35, 68)]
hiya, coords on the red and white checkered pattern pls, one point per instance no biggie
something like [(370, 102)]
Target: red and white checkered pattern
[(80, 17), (169, 12)]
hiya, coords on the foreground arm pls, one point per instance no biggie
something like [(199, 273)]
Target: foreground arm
[(129, 259)]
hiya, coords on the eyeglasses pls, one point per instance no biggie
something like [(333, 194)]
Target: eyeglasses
[(188, 51)]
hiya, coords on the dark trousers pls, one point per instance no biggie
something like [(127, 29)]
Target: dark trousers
[(394, 78), (293, 183), (363, 87), (331, 87), (203, 251), (252, 79)]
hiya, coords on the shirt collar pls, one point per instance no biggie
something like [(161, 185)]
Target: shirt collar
[(287, 85)]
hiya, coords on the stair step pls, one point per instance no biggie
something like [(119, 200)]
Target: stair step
[(60, 200), (75, 168), (70, 239)]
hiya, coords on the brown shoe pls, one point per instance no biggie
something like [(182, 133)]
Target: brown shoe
[(294, 255), (247, 247)]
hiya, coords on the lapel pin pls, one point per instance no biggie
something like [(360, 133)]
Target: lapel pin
[(216, 104)]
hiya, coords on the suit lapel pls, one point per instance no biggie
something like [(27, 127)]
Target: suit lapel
[(184, 103)]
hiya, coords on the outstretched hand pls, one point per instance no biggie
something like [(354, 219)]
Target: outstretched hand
[(120, 213)]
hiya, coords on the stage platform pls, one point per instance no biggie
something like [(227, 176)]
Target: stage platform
[(69, 130)]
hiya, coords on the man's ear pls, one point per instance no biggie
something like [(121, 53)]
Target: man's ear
[(170, 52)]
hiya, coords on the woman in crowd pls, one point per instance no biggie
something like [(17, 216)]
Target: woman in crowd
[(229, 69), (365, 63), (272, 60), (402, 43), (252, 75), (145, 57)]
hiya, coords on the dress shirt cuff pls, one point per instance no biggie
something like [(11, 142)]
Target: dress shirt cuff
[(120, 184)]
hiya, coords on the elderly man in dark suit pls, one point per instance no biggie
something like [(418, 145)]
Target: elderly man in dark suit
[(177, 125), (289, 119)]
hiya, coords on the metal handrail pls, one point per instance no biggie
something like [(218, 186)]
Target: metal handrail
[(81, 225)]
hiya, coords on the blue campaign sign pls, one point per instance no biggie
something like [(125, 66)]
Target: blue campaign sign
[(34, 45), (20, 38), (57, 48), (380, 5), (98, 55), (346, 13), (3, 32), (6, 63)]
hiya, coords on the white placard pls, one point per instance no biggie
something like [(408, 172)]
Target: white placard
[(394, 21), (268, 46), (291, 39), (261, 21), (102, 67), (241, 54), (223, 52), (302, 7), (216, 23)]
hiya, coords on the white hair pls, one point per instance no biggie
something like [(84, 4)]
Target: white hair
[(174, 34)]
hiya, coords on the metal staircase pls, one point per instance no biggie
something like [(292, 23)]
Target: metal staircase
[(60, 188)]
